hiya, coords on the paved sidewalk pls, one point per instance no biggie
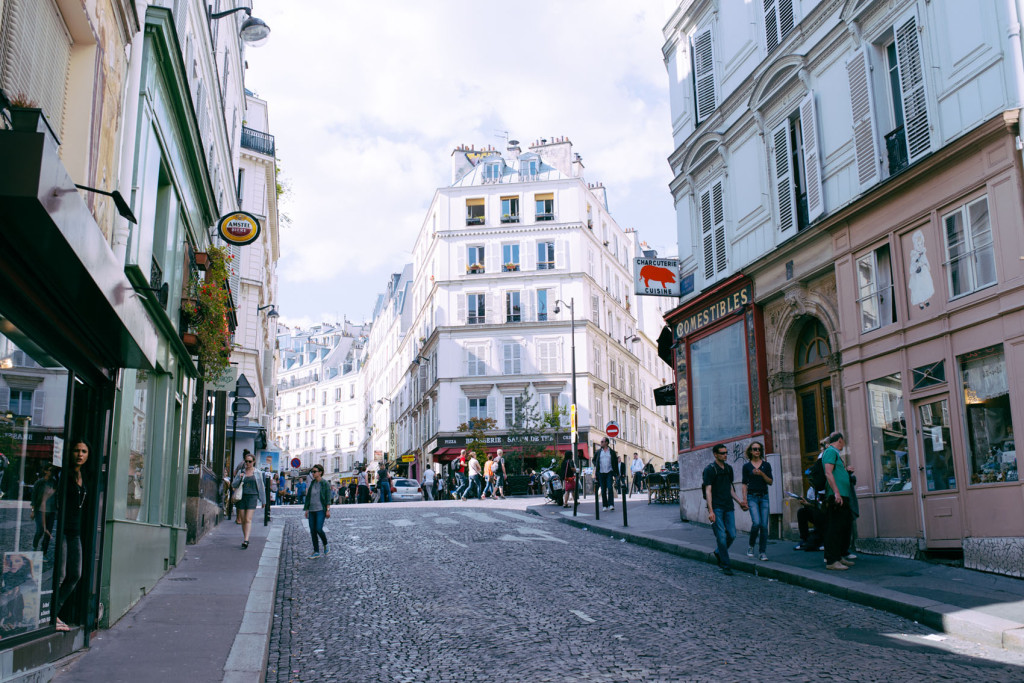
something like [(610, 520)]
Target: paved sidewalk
[(208, 619), (983, 608)]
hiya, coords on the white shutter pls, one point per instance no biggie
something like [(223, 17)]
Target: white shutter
[(704, 74), (718, 216), (34, 55), (492, 408), (517, 356), (38, 403), (466, 355), (460, 308), (525, 259), (492, 258), (561, 255), (5, 399), (812, 157), (915, 108), (528, 304), (463, 410), (862, 107), (707, 235), (495, 307), (784, 190), (460, 261)]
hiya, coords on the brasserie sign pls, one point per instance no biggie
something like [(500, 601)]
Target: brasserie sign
[(510, 440)]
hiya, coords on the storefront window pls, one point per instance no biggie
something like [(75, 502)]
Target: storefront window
[(33, 395), (721, 389), (991, 451), (139, 446), (888, 426)]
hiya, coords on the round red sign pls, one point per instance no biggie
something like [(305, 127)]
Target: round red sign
[(612, 430), (296, 462)]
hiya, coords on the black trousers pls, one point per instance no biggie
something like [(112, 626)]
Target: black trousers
[(837, 536)]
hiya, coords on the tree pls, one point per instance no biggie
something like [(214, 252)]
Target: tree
[(526, 433), (476, 435)]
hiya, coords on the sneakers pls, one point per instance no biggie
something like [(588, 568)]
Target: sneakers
[(764, 557), (326, 549), (850, 556), (611, 509), (848, 563), (314, 555), (750, 551), (837, 566), (798, 546)]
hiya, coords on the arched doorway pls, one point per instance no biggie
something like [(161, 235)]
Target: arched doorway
[(813, 383)]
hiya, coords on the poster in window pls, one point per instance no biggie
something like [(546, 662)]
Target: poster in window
[(20, 591)]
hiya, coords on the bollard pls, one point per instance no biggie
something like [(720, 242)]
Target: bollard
[(625, 517)]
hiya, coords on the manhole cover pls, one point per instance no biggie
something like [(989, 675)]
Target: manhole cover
[(183, 578)]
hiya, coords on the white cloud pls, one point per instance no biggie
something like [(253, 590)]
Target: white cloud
[(368, 99)]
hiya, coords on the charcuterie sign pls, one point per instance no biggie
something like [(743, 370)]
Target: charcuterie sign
[(656, 276), (239, 228)]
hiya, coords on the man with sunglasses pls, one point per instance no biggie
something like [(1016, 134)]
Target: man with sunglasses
[(719, 492), (607, 464)]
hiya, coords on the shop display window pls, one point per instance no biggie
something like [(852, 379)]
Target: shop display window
[(888, 425), (991, 450), (33, 399), (721, 386), (139, 446)]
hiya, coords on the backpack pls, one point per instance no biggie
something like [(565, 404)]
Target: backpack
[(817, 476)]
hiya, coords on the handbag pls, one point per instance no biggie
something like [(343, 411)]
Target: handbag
[(393, 489), (236, 495)]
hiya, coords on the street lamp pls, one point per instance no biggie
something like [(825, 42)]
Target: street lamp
[(575, 449), (272, 313), (254, 32)]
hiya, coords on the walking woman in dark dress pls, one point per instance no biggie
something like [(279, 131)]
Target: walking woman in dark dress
[(74, 503), (251, 481)]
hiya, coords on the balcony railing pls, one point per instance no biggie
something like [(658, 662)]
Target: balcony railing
[(258, 141), (896, 148)]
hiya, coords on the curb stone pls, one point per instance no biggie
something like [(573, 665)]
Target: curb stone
[(968, 624), (251, 648)]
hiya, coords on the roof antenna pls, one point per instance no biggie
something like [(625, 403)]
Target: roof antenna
[(503, 134)]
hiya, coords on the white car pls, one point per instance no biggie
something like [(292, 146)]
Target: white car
[(406, 489)]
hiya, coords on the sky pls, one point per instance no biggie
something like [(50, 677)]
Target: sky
[(368, 99)]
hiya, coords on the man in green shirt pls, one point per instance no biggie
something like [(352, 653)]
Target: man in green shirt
[(837, 504)]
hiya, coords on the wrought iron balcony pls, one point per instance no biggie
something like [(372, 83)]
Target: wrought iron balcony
[(896, 148), (258, 141)]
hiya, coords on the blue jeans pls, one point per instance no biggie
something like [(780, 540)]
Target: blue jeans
[(725, 533), (475, 488), (316, 528), (758, 503), (384, 491), (463, 484)]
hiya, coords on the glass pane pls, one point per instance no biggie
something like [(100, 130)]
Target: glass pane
[(721, 391), (889, 434), (138, 442), (959, 270), (981, 241), (809, 422), (33, 395), (938, 451), (992, 454)]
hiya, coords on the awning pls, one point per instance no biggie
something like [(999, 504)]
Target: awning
[(59, 278)]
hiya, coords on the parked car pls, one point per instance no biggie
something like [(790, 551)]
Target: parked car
[(406, 489)]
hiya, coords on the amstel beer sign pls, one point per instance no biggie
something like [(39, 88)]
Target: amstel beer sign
[(239, 228)]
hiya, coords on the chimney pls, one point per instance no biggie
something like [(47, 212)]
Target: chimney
[(513, 149)]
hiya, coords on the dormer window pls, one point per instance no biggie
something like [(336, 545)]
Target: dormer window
[(529, 166), (492, 170)]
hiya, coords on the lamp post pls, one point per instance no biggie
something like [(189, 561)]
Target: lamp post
[(254, 31), (575, 449)]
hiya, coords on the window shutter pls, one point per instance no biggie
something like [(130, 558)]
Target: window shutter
[(718, 215), (5, 399), (38, 403), (495, 307), (527, 256), (460, 260), (527, 302), (492, 260), (34, 55), (707, 235), (771, 24), (467, 354), (784, 190), (492, 412), (460, 308), (915, 108), (517, 359), (812, 157), (862, 107), (463, 410), (561, 255), (704, 74)]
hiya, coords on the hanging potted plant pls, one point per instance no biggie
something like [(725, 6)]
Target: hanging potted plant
[(207, 308)]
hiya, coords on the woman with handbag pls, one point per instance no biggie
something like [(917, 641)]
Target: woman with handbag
[(248, 485)]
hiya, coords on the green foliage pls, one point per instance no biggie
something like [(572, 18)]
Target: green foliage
[(208, 308), (476, 430)]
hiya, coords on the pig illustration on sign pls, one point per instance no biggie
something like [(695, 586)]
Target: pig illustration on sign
[(657, 274)]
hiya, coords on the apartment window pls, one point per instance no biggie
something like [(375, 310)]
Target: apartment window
[(351, 391), (476, 309), (597, 361), (595, 309), (542, 305), (510, 257), (288, 422), (529, 166), (511, 406), (513, 309), (548, 355), (512, 358), (21, 403), (545, 256), (475, 211), (711, 208), (545, 206), (703, 60), (476, 360), (351, 437), (492, 171), (337, 394), (598, 409), (337, 440), (889, 434), (991, 449), (613, 373), (323, 399), (875, 289), (241, 180), (337, 417), (797, 168), (477, 408), (510, 209), (778, 21), (287, 442), (475, 259), (970, 252), (323, 442)]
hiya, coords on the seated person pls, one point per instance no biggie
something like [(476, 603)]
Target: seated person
[(810, 515)]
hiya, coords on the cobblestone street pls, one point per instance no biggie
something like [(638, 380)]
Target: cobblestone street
[(453, 591)]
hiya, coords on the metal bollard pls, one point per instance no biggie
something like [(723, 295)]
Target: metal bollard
[(625, 517)]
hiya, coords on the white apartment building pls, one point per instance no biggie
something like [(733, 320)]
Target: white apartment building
[(847, 183), (505, 252)]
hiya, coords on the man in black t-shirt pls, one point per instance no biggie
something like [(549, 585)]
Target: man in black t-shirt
[(720, 493)]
